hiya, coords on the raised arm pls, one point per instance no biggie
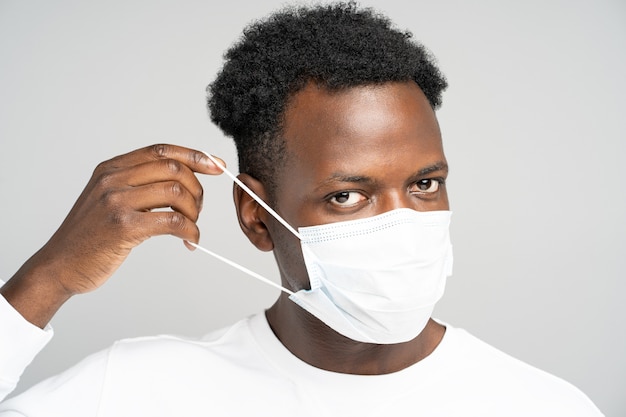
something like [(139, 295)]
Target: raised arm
[(114, 213)]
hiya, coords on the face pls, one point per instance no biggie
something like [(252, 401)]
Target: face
[(352, 154)]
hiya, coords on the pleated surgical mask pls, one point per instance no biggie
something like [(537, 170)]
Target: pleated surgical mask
[(373, 280)]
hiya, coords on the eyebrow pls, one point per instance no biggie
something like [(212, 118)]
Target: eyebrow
[(438, 166), (341, 178)]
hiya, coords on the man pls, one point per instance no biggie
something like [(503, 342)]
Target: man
[(332, 111)]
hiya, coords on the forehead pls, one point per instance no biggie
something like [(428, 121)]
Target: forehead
[(350, 109), (359, 129)]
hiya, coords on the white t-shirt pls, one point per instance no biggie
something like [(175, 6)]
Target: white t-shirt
[(245, 371)]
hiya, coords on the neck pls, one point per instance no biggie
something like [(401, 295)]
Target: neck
[(318, 345)]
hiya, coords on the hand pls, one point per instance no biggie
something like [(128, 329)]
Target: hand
[(112, 215)]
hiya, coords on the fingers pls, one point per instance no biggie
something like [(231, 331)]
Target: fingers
[(137, 226), (169, 164), (171, 223), (166, 178), (195, 160), (159, 176), (169, 194)]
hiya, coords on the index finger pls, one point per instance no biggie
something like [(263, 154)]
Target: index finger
[(197, 161)]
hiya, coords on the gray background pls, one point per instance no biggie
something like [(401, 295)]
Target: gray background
[(534, 130)]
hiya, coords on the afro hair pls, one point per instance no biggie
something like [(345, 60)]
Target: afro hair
[(337, 46)]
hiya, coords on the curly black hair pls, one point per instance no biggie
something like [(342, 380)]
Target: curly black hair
[(337, 46)]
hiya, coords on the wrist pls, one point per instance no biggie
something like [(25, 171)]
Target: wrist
[(36, 292)]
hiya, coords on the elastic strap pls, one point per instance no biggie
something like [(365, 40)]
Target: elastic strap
[(269, 210), (254, 196)]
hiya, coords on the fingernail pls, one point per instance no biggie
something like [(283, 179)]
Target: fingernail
[(214, 161)]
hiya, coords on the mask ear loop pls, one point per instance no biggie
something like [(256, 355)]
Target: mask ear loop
[(242, 268), (269, 210), (254, 196)]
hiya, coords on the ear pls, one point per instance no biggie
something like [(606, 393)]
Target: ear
[(251, 215)]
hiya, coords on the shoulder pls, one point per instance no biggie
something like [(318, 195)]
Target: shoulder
[(171, 350), (502, 380), (154, 373)]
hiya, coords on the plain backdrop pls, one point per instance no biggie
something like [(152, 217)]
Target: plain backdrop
[(533, 126)]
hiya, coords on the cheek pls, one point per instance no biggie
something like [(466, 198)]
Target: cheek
[(288, 255)]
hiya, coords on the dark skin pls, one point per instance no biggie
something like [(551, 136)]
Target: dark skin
[(111, 216), (350, 154)]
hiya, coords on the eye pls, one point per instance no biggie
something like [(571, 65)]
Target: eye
[(346, 198), (426, 186)]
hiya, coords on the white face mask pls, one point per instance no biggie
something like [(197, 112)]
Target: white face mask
[(377, 279), (373, 280)]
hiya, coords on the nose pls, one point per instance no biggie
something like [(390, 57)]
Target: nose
[(395, 199)]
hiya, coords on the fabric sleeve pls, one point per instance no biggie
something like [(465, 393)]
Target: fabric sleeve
[(20, 342), (74, 393)]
